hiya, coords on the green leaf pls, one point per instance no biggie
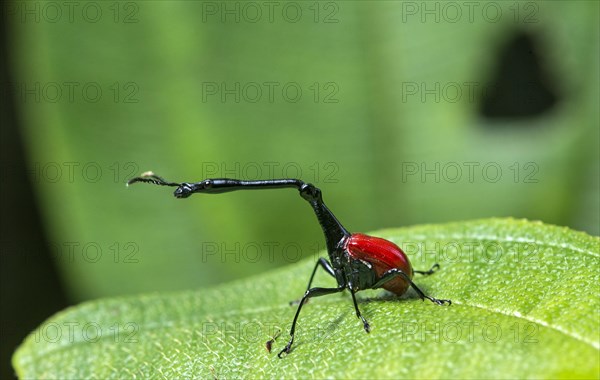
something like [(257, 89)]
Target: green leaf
[(525, 298)]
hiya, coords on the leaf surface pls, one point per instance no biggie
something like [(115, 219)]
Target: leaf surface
[(525, 295)]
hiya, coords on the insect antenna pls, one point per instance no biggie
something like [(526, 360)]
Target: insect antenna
[(150, 177)]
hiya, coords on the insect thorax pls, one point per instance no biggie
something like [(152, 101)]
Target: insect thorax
[(359, 274)]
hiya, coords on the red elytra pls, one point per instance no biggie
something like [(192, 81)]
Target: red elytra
[(383, 255)]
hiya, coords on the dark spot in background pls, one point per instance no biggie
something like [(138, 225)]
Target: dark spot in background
[(519, 87)]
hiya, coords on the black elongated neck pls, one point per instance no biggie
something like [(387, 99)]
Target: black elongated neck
[(332, 229)]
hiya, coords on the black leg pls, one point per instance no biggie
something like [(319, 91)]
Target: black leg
[(359, 315), (326, 266), (431, 271), (314, 292), (395, 272)]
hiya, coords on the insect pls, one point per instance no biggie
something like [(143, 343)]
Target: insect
[(356, 261), (269, 344)]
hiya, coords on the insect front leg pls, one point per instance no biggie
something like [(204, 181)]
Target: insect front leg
[(314, 292), (359, 315), (322, 262), (325, 265)]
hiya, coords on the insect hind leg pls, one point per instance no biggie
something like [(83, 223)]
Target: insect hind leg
[(429, 272)]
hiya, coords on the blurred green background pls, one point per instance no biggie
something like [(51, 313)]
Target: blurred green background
[(401, 112)]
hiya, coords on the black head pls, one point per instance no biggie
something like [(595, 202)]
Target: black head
[(184, 190)]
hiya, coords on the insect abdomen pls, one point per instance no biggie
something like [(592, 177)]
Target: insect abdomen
[(383, 255)]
